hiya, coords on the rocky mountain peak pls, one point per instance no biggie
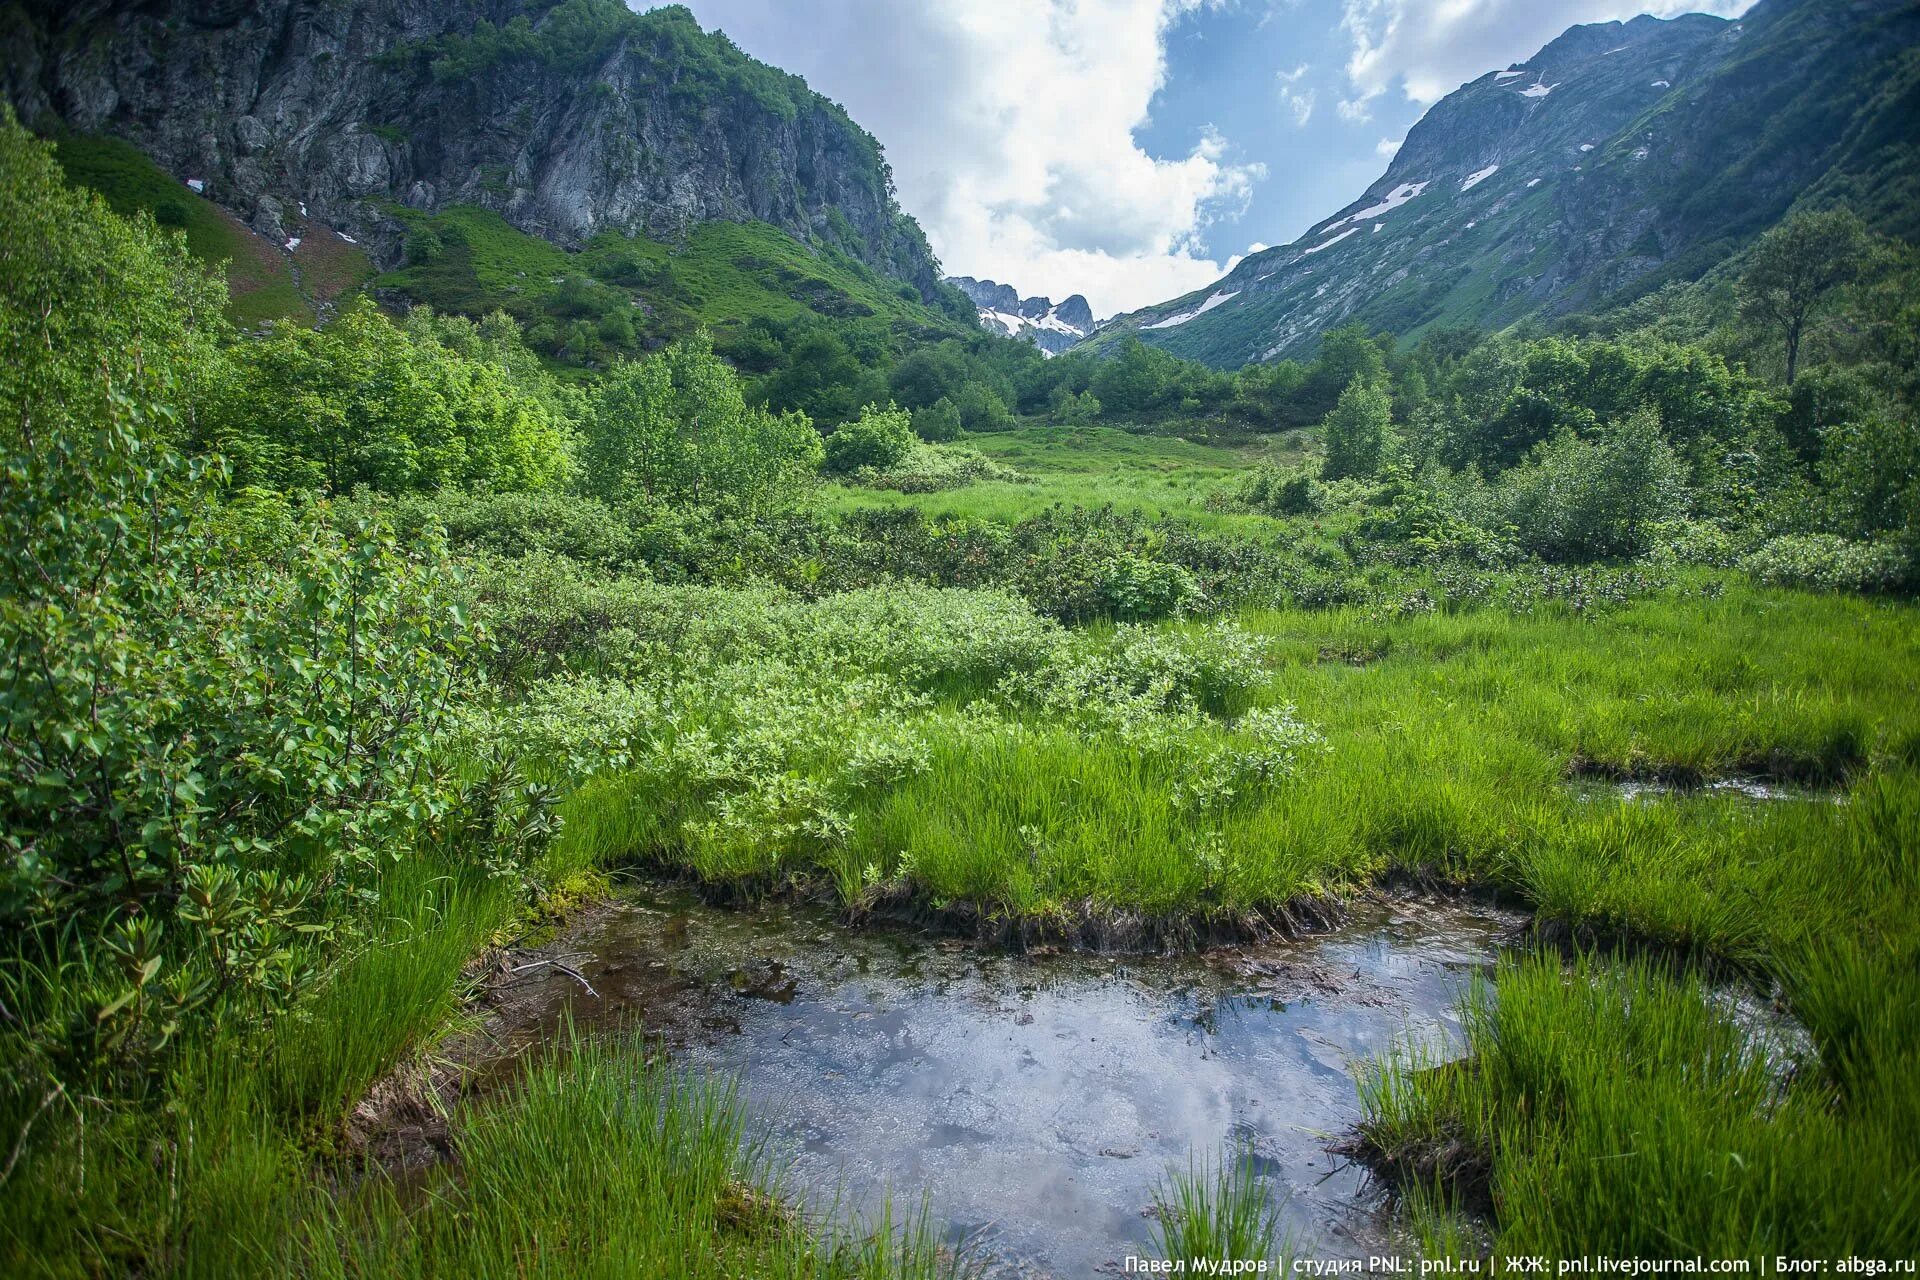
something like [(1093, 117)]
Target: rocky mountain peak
[(1037, 319), (1620, 156)]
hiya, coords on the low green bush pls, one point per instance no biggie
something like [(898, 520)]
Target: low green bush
[(1827, 562)]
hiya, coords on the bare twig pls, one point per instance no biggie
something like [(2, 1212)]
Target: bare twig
[(567, 969)]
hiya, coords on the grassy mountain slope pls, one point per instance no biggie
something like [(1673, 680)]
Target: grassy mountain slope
[(267, 281), (1620, 157), (633, 292)]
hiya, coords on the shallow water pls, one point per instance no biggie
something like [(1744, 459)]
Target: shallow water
[(1036, 1101)]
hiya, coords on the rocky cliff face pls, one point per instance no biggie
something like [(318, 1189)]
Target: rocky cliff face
[(1037, 320), (1619, 157), (566, 119)]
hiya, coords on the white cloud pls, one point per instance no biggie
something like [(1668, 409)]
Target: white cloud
[(1009, 125), (1428, 48), (1357, 109), (1300, 102), (1388, 148)]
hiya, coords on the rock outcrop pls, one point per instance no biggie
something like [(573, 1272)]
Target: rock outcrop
[(568, 120)]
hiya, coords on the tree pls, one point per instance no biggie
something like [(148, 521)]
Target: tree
[(938, 422), (879, 438), (1346, 354), (980, 409), (1870, 468), (676, 428), (1794, 269), (1358, 432)]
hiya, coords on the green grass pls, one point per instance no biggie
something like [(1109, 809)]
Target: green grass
[(260, 278), (1160, 476), (719, 275), (599, 1161), (1618, 1106), (604, 1162), (1448, 752), (1220, 1213)]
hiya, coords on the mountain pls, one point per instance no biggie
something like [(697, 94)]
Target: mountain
[(359, 122), (1037, 320), (1622, 156)]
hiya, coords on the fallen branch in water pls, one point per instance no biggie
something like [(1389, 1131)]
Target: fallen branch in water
[(567, 969)]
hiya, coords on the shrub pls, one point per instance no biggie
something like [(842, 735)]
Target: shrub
[(1273, 491), (878, 438), (938, 422), (1824, 562), (1587, 500), (676, 428), (931, 468)]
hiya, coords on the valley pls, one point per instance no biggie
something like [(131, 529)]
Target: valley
[(575, 705)]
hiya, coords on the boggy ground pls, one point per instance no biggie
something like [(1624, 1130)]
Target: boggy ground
[(951, 754)]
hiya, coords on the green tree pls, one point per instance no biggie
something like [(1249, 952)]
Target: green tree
[(981, 409), (1358, 432), (676, 428), (1794, 269), (1346, 354), (938, 422), (1870, 470), (1591, 499)]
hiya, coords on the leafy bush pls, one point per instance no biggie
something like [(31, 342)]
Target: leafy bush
[(1270, 490), (1825, 562), (931, 468), (938, 422), (1585, 500), (878, 438), (676, 428), (365, 402), (214, 718)]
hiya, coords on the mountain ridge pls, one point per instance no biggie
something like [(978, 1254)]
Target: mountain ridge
[(1619, 157), (1053, 328)]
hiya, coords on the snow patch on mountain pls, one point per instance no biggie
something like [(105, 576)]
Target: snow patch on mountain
[(1328, 244), (1391, 201), (1212, 301), (1479, 176)]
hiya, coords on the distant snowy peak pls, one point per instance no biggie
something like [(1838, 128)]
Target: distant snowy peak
[(1052, 328)]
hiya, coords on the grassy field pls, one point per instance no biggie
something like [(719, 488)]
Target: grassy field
[(1061, 777), (1158, 476)]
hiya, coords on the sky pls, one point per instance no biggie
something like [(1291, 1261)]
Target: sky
[(1135, 150)]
